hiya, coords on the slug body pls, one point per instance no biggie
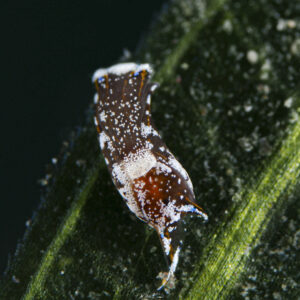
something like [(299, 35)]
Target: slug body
[(154, 185)]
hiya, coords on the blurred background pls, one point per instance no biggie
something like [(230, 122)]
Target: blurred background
[(49, 51)]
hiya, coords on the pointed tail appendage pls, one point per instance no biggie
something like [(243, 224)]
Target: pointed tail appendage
[(171, 238)]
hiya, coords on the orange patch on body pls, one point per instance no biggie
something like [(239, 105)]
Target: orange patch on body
[(153, 188)]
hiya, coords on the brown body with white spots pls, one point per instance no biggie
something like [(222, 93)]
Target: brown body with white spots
[(152, 182)]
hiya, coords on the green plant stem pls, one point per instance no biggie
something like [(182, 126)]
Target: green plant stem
[(226, 255), (66, 228)]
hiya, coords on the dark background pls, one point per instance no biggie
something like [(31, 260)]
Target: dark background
[(49, 50)]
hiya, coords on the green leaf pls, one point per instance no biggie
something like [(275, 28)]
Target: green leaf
[(228, 107)]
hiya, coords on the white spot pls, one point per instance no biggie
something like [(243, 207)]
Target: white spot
[(227, 26), (95, 121), (149, 99), (96, 98), (170, 229), (248, 107), (154, 132), (103, 116), (184, 66), (154, 87), (252, 56), (266, 69), (102, 139), (281, 25), (267, 66), (146, 130), (162, 149), (291, 24), (288, 102), (149, 145)]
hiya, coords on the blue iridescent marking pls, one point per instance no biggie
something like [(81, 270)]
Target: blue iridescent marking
[(194, 209), (136, 74), (101, 79)]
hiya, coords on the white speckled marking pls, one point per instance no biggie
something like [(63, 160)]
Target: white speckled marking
[(138, 164)]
